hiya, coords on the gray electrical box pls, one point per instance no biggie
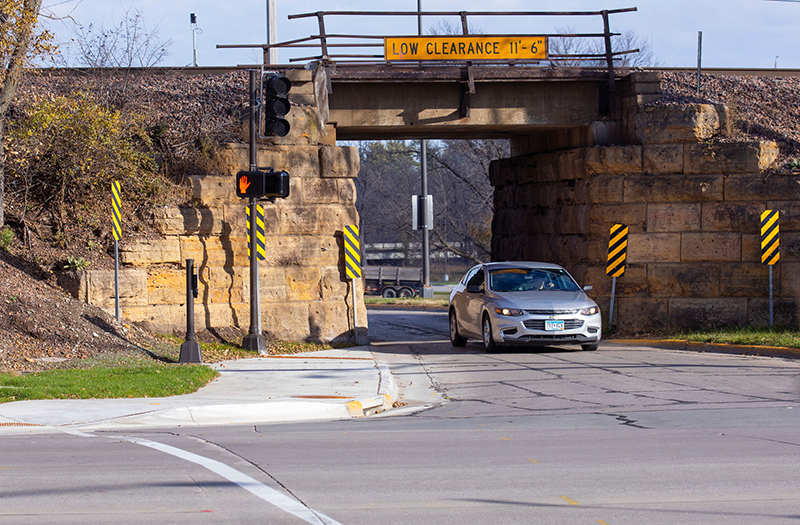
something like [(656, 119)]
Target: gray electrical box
[(417, 206)]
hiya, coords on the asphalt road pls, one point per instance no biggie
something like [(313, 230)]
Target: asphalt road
[(624, 435)]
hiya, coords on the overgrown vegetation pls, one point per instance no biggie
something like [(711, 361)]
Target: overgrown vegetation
[(67, 150)]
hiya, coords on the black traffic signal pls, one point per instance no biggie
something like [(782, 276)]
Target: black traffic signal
[(262, 184), (276, 105)]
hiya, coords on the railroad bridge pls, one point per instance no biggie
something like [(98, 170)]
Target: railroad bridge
[(590, 148)]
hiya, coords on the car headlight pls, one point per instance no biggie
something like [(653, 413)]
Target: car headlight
[(509, 311), (591, 310)]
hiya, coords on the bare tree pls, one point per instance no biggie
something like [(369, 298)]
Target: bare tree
[(129, 44), (465, 198), (572, 48)]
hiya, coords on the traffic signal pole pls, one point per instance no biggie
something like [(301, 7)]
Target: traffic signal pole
[(254, 340)]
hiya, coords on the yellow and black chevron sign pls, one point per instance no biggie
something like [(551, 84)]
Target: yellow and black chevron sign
[(116, 217), (352, 251), (617, 250), (260, 242), (770, 237)]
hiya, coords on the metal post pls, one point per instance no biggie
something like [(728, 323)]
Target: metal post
[(770, 296), (323, 37), (611, 308), (699, 57), (355, 312), (419, 17), (193, 20), (427, 291), (190, 349), (612, 84), (272, 31), (254, 340), (116, 279)]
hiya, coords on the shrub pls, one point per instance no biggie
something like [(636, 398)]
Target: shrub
[(6, 238), (67, 150)]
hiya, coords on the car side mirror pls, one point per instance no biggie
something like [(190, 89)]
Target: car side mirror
[(474, 288), (588, 288)]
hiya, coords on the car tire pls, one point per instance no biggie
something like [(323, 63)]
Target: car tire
[(389, 293), (590, 347), (406, 292), (455, 338), (488, 339)]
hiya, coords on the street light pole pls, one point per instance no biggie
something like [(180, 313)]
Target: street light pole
[(427, 291)]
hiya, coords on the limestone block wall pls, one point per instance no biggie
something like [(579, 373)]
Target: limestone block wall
[(693, 207), (305, 294)]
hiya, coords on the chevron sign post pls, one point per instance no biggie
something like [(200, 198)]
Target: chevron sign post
[(352, 263), (617, 256), (116, 228), (259, 229), (770, 247)]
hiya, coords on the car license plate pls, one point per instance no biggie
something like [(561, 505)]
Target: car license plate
[(553, 325)]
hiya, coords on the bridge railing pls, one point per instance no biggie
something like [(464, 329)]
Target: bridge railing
[(330, 45)]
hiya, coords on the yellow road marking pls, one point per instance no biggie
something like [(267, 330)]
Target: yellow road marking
[(532, 460), (568, 500), (601, 522), (506, 439)]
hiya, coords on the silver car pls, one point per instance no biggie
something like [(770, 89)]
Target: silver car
[(528, 303)]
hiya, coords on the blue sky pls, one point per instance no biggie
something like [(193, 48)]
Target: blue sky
[(736, 33)]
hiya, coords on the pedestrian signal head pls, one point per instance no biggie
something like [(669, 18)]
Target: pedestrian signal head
[(262, 184)]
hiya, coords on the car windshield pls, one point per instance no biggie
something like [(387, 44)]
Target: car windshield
[(531, 279)]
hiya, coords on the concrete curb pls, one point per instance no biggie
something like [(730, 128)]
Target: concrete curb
[(387, 394), (239, 399), (278, 411), (722, 348)]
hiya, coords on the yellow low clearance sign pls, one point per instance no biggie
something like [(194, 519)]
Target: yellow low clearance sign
[(465, 48)]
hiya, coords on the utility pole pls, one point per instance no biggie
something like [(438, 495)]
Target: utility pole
[(272, 31), (427, 291)]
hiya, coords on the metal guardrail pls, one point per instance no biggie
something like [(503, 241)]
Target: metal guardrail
[(327, 43)]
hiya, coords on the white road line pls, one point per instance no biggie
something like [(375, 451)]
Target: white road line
[(253, 486)]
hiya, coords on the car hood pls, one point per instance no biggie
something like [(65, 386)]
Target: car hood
[(544, 300)]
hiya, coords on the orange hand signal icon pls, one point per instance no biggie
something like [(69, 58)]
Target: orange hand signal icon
[(243, 184)]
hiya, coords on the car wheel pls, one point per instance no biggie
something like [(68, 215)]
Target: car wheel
[(488, 340), (406, 292), (590, 347), (389, 293), (455, 337)]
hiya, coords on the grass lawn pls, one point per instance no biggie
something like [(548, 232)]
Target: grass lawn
[(782, 337), (145, 380), (156, 374)]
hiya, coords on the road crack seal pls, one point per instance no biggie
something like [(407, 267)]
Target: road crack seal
[(626, 421)]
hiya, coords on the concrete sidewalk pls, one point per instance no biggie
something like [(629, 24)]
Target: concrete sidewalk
[(331, 384)]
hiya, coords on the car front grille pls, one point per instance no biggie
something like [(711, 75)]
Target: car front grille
[(538, 324), (551, 312)]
